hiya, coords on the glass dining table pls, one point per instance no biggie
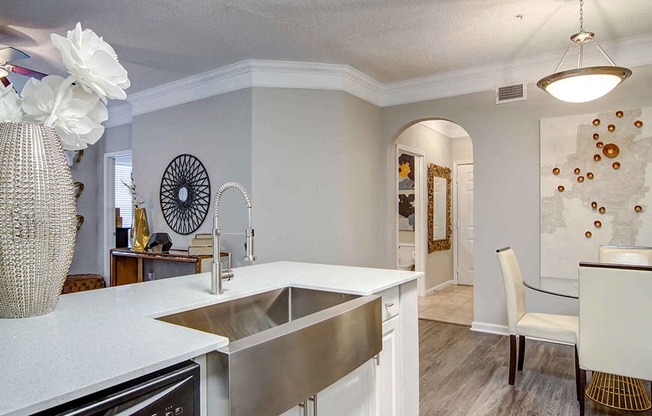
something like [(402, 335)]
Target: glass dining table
[(618, 392), (550, 292)]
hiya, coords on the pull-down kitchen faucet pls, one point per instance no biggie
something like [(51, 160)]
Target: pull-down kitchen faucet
[(217, 274)]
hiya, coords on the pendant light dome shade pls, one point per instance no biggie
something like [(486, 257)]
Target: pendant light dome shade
[(583, 84)]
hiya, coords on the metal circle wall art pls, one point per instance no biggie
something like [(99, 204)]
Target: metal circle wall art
[(185, 194), (611, 150)]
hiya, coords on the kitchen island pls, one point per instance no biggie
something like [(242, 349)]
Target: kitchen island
[(98, 339)]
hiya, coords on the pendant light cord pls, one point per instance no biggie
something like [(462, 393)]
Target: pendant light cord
[(581, 16)]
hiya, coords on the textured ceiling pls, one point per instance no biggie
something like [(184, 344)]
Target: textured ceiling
[(160, 41)]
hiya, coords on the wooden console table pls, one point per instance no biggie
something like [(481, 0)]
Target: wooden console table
[(128, 266)]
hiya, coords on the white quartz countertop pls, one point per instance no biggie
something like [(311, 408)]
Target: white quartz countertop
[(100, 338)]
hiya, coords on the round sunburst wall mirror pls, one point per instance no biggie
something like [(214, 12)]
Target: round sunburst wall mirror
[(185, 194)]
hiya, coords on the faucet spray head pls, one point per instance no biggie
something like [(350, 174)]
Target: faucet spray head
[(249, 245)]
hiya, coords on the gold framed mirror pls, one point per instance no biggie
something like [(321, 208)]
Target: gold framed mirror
[(440, 227)]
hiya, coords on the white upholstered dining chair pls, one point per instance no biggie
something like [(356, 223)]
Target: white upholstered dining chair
[(615, 310), (625, 255), (542, 326)]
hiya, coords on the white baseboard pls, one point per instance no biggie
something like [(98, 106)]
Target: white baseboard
[(439, 287), (489, 328)]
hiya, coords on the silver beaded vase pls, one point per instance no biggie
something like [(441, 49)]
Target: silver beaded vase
[(37, 219)]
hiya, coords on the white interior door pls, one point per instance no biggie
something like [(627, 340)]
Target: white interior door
[(464, 207)]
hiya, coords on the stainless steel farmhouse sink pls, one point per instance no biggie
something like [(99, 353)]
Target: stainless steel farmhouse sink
[(285, 345)]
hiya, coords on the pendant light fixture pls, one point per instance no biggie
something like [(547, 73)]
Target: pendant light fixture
[(583, 84)]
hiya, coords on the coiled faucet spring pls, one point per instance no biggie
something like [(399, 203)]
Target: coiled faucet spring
[(217, 274)]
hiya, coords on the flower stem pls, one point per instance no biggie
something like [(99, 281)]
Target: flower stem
[(57, 100)]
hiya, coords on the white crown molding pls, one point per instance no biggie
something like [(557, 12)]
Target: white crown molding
[(258, 73), (630, 52), (219, 81), (284, 74)]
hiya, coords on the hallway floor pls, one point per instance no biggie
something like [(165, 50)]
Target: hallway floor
[(453, 305)]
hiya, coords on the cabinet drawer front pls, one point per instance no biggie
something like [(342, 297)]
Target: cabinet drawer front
[(390, 302)]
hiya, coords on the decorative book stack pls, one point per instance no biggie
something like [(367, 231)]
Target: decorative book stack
[(201, 245), (118, 218)]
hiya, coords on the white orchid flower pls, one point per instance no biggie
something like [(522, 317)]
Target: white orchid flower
[(93, 63), (73, 106), (10, 105), (78, 129), (39, 97), (77, 115)]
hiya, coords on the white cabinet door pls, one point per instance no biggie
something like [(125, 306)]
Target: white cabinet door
[(387, 383), (352, 395)]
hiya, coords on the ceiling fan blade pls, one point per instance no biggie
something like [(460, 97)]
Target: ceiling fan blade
[(24, 71), (10, 54)]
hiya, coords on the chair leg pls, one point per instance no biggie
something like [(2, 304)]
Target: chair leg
[(582, 389), (521, 352), (577, 374), (512, 359)]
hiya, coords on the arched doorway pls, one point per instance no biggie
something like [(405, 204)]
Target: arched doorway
[(439, 198)]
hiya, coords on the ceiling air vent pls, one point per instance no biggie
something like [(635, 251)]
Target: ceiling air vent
[(511, 93)]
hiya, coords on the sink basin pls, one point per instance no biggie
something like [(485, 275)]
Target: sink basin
[(240, 318), (284, 346)]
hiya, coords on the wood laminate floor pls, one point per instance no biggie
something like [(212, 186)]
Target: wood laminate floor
[(465, 373)]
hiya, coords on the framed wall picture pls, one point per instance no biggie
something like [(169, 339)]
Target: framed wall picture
[(406, 212), (406, 197), (405, 172), (440, 228)]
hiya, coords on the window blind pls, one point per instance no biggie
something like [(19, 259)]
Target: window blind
[(122, 194)]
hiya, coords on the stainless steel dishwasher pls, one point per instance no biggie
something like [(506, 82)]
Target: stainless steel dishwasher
[(173, 391)]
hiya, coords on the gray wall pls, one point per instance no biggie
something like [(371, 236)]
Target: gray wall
[(461, 149), (506, 158), (89, 249), (322, 180), (87, 245), (317, 177), (216, 130)]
